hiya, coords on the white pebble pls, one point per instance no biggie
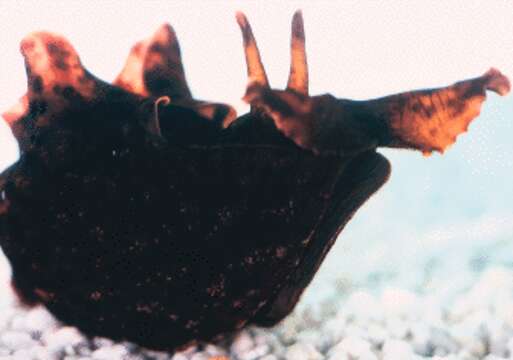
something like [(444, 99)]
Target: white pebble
[(499, 333), (255, 353), (357, 330), (275, 345), (334, 329), (22, 354), (200, 356), (311, 336), (41, 353), (18, 323), (289, 328), (269, 357), (503, 308), (420, 339), (400, 303), (509, 347), (214, 350), (6, 316), (116, 352), (362, 306), (494, 357), (242, 343), (302, 351), (39, 319), (352, 347), (376, 334), (442, 342), (397, 349), (16, 339), (397, 328), (469, 334), (58, 340), (102, 342), (465, 355), (493, 284), (179, 356)]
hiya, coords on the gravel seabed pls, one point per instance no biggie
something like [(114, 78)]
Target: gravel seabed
[(364, 323)]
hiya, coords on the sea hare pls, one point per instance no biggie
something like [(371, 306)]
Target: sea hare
[(137, 212)]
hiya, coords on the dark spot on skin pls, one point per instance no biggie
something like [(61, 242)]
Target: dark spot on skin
[(57, 89), (69, 93), (429, 111), (28, 69), (37, 84), (155, 83), (37, 108), (246, 34), (175, 48), (415, 107), (476, 88), (297, 32), (451, 102), (60, 63), (433, 132), (165, 76), (52, 48), (156, 47), (457, 106), (59, 55), (158, 85)]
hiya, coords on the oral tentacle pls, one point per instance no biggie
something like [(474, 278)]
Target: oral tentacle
[(154, 127), (298, 76), (255, 69)]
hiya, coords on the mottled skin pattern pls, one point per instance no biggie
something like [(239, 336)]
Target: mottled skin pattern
[(204, 226)]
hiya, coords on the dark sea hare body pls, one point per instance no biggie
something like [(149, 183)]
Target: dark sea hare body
[(169, 226), (138, 238)]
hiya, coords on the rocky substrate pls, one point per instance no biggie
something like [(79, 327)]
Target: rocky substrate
[(388, 324)]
